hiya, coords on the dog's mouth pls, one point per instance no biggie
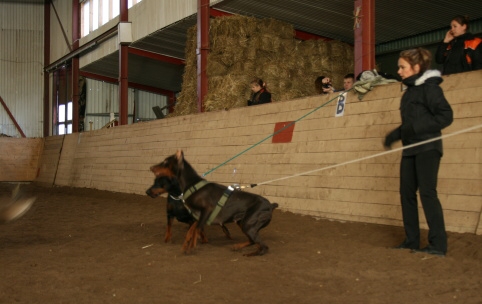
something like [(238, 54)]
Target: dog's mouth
[(151, 193)]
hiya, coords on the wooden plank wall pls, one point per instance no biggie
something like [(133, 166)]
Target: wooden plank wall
[(118, 159), (49, 160), (19, 158)]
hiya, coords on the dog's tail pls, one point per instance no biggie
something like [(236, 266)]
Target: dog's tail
[(274, 205)]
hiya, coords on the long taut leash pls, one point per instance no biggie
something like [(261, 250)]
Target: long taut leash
[(367, 157)]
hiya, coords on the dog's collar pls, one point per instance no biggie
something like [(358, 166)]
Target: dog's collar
[(177, 198)]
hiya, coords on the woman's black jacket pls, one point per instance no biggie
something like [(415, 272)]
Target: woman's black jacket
[(425, 112), (453, 55), (262, 96)]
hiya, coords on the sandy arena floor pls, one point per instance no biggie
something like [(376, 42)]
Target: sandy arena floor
[(89, 246)]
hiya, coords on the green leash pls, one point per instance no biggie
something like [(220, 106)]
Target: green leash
[(268, 137)]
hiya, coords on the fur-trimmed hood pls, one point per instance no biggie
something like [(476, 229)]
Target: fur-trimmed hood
[(432, 76), (426, 75)]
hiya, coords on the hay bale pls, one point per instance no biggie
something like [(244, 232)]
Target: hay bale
[(215, 66), (275, 28), (243, 48)]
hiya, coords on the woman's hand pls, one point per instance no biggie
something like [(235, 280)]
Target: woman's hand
[(326, 85), (448, 37), (328, 90)]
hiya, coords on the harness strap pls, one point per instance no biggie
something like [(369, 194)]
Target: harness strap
[(220, 204), (180, 198), (195, 188), (188, 193)]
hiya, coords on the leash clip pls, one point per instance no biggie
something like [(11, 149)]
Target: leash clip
[(234, 187)]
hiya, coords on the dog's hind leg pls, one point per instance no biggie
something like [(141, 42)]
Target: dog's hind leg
[(240, 246), (251, 228), (226, 232), (262, 249)]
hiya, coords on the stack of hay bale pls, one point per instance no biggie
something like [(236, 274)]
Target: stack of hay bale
[(244, 48)]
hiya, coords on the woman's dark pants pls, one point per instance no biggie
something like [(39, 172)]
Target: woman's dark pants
[(420, 172)]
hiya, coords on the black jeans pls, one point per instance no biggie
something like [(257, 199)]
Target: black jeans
[(420, 172)]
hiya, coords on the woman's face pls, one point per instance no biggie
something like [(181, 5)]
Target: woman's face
[(456, 29), (255, 87), (405, 70)]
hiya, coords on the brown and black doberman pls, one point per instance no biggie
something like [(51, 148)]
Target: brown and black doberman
[(250, 211), (174, 207)]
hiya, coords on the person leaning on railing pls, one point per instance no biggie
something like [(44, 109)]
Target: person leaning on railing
[(460, 51)]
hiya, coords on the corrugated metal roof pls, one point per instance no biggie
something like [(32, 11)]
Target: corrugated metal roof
[(335, 19), (395, 21), (332, 19), (169, 41)]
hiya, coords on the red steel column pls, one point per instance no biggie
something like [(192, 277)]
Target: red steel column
[(123, 70), (364, 29), (46, 115), (75, 65), (202, 51), (171, 102)]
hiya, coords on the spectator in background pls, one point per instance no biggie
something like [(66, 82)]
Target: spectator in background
[(323, 85), (425, 112), (259, 93), (460, 51), (348, 81)]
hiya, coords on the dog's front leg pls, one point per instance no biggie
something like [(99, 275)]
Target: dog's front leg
[(204, 238), (199, 231), (191, 234), (168, 236)]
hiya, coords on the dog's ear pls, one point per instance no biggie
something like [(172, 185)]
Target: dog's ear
[(179, 156)]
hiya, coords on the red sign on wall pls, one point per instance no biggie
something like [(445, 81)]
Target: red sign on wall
[(283, 132)]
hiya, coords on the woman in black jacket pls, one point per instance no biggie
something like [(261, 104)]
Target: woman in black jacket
[(460, 51), (425, 112), (259, 93)]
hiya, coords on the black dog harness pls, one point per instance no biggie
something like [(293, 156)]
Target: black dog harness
[(219, 205)]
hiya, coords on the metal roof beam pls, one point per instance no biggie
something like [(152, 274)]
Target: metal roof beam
[(156, 56), (12, 117), (133, 85)]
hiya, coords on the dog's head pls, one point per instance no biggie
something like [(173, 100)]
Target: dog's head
[(164, 184), (171, 166)]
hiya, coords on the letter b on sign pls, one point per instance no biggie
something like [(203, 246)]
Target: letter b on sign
[(340, 106)]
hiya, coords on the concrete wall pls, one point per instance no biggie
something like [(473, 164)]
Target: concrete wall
[(118, 159), (19, 158)]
